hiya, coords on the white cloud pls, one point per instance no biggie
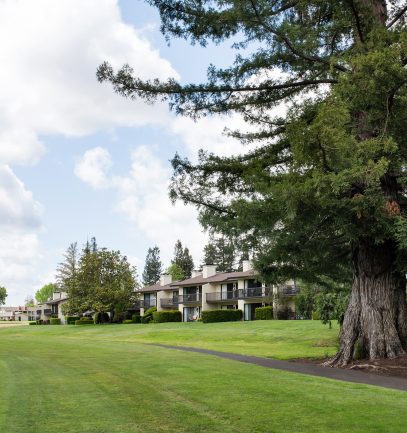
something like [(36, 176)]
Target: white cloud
[(142, 196), (49, 87), (93, 167)]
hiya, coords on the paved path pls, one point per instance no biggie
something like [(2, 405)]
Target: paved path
[(305, 368)]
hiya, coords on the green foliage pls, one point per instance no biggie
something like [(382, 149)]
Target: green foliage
[(84, 321), (66, 270), (29, 301), (103, 280), (315, 316), (283, 313), (264, 313), (136, 318), (45, 293), (127, 322), (305, 300), (70, 320), (54, 321), (40, 322), (33, 322), (183, 259), (167, 316), (326, 307), (326, 176), (176, 272), (212, 316), (148, 315), (3, 295), (221, 252), (101, 317), (153, 267)]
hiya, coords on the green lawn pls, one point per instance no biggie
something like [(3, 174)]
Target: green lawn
[(100, 379)]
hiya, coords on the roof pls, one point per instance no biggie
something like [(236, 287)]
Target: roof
[(155, 288), (55, 301), (217, 278)]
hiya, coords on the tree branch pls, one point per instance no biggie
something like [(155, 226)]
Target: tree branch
[(399, 14)]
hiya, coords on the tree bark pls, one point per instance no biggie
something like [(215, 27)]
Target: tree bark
[(376, 317)]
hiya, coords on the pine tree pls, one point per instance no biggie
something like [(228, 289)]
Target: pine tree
[(220, 252), (323, 193), (153, 267), (183, 259), (66, 270)]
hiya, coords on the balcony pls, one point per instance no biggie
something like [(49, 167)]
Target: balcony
[(219, 297), (169, 303), (191, 298), (148, 303), (290, 290), (255, 292)]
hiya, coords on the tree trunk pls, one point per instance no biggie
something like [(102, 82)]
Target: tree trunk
[(376, 317)]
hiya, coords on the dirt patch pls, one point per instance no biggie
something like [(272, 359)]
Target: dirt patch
[(396, 367)]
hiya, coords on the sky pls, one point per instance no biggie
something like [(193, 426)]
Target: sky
[(77, 160)]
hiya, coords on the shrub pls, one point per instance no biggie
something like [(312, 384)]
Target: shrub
[(70, 320), (283, 313), (32, 323), (264, 313), (55, 321), (148, 315), (136, 318), (39, 322), (84, 321), (127, 322), (167, 316), (101, 317), (315, 316), (212, 316)]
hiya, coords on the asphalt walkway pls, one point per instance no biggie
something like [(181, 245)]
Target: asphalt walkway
[(305, 368)]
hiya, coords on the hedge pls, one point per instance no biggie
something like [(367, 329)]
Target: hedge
[(70, 320), (264, 313), (32, 323), (101, 317), (212, 316), (148, 315), (136, 318), (127, 322), (167, 316), (55, 321), (84, 322)]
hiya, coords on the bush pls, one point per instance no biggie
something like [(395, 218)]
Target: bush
[(101, 317), (127, 322), (148, 315), (39, 322), (283, 313), (32, 323), (55, 321), (315, 316), (212, 316), (70, 320), (167, 316), (136, 318), (84, 321), (264, 313)]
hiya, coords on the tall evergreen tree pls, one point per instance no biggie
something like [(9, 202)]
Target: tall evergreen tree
[(183, 259), (220, 251), (66, 270), (323, 193), (153, 267)]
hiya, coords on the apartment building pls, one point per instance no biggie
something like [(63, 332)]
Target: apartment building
[(211, 290)]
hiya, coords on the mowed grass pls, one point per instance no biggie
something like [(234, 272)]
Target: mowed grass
[(99, 379), (282, 339)]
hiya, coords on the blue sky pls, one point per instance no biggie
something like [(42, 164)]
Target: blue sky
[(78, 161)]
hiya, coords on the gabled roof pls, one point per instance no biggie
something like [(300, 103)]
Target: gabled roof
[(221, 277)]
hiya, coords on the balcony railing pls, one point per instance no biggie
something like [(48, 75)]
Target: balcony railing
[(255, 292), (290, 290), (171, 302), (191, 298), (222, 296)]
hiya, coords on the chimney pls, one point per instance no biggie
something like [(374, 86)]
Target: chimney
[(247, 265), (165, 279), (208, 270), (195, 273)]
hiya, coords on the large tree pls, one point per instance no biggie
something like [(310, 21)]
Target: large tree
[(66, 270), (45, 293), (183, 259), (220, 251), (153, 267), (322, 192)]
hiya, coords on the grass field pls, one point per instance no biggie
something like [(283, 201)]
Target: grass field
[(69, 379)]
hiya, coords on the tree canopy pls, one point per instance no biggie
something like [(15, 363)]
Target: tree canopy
[(153, 267), (45, 293), (3, 295), (321, 189), (183, 259)]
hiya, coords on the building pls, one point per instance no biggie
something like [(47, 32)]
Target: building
[(52, 308), (211, 290)]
